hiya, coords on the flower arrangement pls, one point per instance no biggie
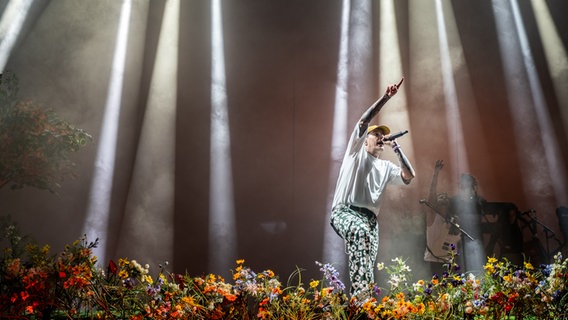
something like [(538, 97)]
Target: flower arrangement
[(35, 284)]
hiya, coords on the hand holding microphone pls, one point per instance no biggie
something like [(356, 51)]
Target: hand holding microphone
[(391, 138), (395, 135)]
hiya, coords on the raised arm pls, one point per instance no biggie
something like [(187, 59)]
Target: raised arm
[(376, 107), (433, 195)]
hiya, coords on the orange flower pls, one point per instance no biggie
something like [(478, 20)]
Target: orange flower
[(14, 267), (420, 308), (264, 302), (231, 297)]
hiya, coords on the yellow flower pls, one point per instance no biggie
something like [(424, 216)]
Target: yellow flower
[(314, 283), (147, 278), (528, 266), (45, 249), (240, 261), (386, 314), (123, 274), (369, 304), (420, 308), (123, 262)]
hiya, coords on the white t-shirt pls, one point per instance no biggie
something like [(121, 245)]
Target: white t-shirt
[(362, 177)]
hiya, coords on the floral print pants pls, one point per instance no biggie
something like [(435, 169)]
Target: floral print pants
[(360, 232)]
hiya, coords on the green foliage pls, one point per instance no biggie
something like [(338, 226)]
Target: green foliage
[(35, 143)]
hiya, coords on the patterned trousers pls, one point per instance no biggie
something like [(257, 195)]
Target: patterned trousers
[(360, 232)]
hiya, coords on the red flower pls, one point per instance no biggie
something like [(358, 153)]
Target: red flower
[(112, 268), (179, 281), (497, 297), (24, 295), (62, 274)]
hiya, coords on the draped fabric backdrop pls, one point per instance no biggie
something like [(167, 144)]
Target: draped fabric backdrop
[(485, 90)]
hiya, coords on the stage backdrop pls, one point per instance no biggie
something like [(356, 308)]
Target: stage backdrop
[(231, 107)]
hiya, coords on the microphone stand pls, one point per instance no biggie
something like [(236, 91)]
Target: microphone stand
[(547, 232), (428, 204)]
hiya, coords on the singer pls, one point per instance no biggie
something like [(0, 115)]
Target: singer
[(362, 180)]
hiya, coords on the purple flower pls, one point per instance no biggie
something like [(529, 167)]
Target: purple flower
[(377, 290), (129, 283), (331, 275)]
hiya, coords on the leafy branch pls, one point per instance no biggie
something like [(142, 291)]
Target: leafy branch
[(35, 143)]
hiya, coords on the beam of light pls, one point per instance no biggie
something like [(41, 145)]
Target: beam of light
[(222, 232), (528, 106), (11, 25), (453, 118), (452, 61), (549, 141), (148, 227), (425, 56), (333, 248), (556, 57), (457, 83), (97, 218), (395, 114)]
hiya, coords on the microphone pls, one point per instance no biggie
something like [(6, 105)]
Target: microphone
[(395, 135)]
